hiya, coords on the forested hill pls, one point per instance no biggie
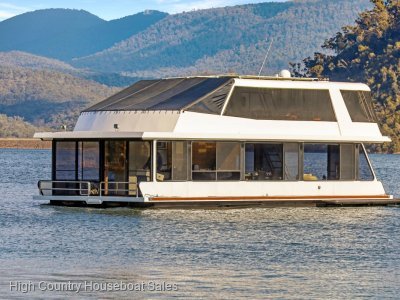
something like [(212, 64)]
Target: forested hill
[(47, 98), (229, 39), (68, 33), (367, 51), (35, 62), (155, 44)]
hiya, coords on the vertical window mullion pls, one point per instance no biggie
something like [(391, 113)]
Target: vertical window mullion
[(242, 161), (76, 159)]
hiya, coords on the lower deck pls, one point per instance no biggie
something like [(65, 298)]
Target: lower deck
[(221, 201), (210, 202), (210, 173)]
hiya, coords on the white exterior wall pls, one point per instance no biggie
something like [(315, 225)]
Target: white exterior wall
[(261, 188), (128, 121)]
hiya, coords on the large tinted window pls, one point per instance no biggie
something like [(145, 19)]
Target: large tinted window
[(65, 165), (228, 161), (291, 158), (347, 162), (139, 161), (364, 169), (179, 160), (115, 161), (215, 161), (204, 160), (281, 104), (172, 160), (88, 161), (321, 162), (359, 105), (263, 161)]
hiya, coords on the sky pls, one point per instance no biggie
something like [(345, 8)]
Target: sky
[(114, 9)]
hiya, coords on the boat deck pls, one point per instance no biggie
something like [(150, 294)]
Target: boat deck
[(204, 202)]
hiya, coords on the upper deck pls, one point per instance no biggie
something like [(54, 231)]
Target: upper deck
[(233, 108)]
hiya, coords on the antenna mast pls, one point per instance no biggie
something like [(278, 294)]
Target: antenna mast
[(266, 56)]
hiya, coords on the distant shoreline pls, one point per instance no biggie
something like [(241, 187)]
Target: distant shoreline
[(24, 143)]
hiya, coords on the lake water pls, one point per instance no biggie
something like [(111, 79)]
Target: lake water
[(224, 254)]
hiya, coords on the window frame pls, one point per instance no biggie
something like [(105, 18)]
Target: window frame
[(216, 171), (333, 117), (283, 162), (367, 112)]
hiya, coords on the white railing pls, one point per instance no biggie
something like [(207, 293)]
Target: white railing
[(47, 187), (115, 187)]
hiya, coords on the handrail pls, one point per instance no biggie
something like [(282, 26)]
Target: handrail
[(48, 185), (104, 187)]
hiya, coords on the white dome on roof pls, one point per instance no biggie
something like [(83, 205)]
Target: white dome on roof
[(285, 74)]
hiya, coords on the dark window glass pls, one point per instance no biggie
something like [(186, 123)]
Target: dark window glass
[(65, 160), (333, 162), (359, 105), (216, 161), (204, 156), (347, 162), (228, 161), (204, 161), (172, 161), (115, 168), (328, 162), (179, 161), (164, 161), (315, 162), (203, 176), (228, 176), (88, 161), (364, 169), (291, 151), (281, 104), (263, 161), (139, 168), (65, 175)]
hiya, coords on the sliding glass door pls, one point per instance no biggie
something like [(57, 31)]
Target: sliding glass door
[(115, 168)]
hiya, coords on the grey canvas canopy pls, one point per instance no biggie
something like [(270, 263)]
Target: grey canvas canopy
[(198, 94)]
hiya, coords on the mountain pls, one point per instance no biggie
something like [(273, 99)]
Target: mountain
[(35, 62), (228, 39), (368, 51), (66, 33), (47, 97)]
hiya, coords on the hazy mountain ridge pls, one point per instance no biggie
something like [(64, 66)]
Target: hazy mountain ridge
[(227, 39), (66, 33)]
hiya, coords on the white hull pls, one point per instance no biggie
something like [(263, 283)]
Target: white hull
[(192, 194), (261, 188)]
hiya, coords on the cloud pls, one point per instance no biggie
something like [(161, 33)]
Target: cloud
[(13, 7), (8, 10), (6, 14)]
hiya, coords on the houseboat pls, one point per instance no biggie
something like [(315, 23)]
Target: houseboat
[(220, 141)]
